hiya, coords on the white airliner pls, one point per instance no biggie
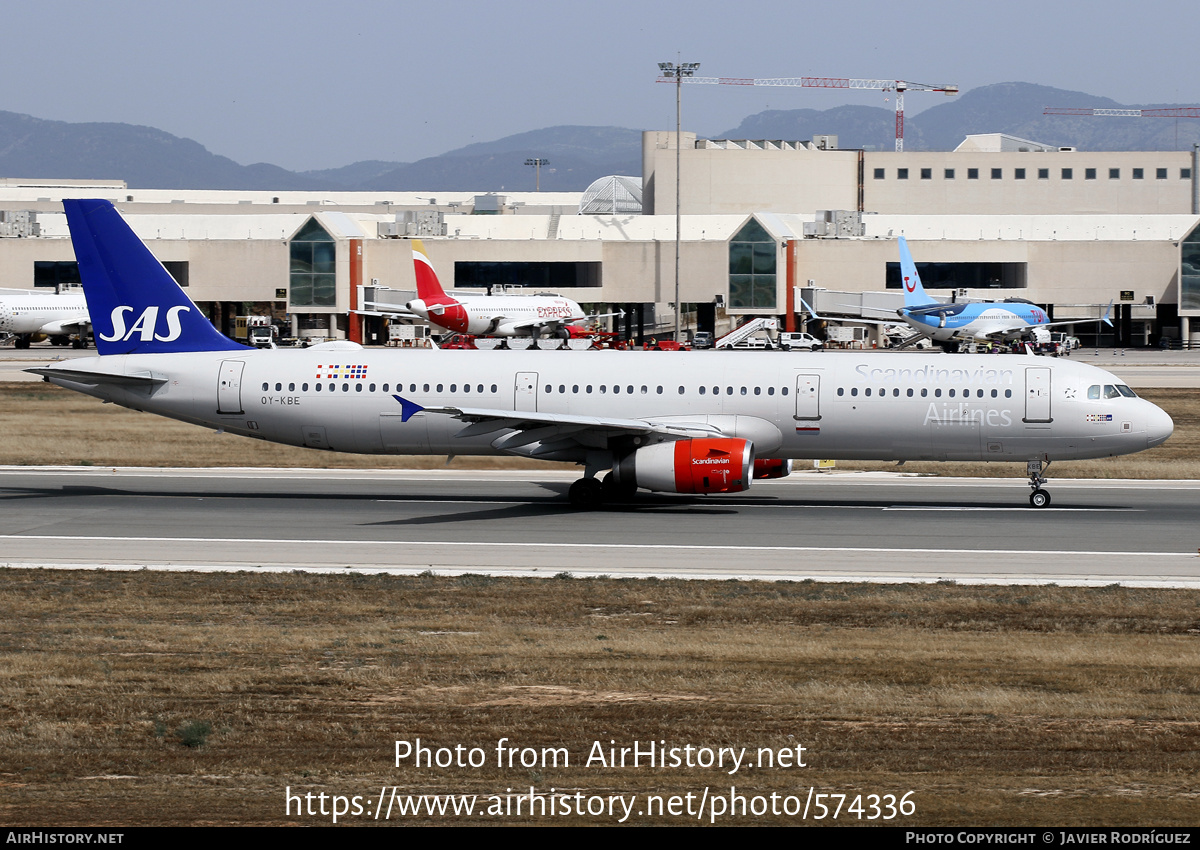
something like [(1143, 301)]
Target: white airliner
[(488, 315), (995, 321), (700, 423), (31, 314)]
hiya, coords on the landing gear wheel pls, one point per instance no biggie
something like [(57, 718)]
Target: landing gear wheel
[(1039, 498), (586, 493), (612, 491)]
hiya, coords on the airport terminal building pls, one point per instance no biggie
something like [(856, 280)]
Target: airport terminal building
[(768, 228)]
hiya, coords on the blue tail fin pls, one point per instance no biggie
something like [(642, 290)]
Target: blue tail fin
[(136, 307), (914, 293)]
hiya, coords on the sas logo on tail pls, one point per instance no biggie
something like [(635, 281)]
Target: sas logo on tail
[(145, 325)]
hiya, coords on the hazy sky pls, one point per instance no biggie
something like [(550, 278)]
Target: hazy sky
[(322, 84)]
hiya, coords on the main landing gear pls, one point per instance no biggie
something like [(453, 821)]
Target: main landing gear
[(1039, 498), (591, 493)]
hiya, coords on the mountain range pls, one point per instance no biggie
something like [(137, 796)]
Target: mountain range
[(151, 159)]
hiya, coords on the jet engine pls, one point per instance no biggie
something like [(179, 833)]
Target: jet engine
[(772, 467), (689, 466)]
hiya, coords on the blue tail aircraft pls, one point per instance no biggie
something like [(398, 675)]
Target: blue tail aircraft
[(989, 321)]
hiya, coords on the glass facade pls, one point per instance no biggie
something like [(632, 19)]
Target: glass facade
[(1189, 271), (313, 279), (752, 261)]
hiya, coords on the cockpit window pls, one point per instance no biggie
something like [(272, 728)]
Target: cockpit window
[(1094, 391), (1110, 391), (1126, 391)]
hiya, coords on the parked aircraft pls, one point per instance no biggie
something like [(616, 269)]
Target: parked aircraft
[(488, 315), (696, 423), (948, 324), (31, 314)]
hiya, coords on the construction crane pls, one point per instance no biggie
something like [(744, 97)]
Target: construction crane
[(1170, 112), (898, 86)]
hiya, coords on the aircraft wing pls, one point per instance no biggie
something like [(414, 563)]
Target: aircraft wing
[(534, 434), (524, 324), (77, 322)]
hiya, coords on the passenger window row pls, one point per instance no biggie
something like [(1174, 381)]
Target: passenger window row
[(359, 387), (644, 389), (925, 393)]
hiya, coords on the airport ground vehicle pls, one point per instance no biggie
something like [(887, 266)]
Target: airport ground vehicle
[(695, 425), (794, 340), (255, 330), (1066, 341)]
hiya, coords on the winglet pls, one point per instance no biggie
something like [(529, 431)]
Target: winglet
[(1105, 317), (914, 293), (135, 305), (408, 409)]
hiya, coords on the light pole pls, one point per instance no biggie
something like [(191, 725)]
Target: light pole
[(677, 71), (537, 170)]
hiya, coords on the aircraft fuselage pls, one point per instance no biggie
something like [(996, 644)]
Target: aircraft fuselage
[(836, 405)]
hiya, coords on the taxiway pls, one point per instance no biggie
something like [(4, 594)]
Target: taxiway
[(856, 526)]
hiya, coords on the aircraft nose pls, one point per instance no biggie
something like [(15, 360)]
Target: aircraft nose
[(1159, 426)]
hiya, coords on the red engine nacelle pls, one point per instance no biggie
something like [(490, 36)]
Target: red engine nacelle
[(772, 467), (690, 466)]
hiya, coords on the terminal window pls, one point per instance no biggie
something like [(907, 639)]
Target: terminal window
[(1043, 174), (47, 273), (1089, 174), (1185, 174), (926, 173), (752, 260), (879, 173), (1189, 279), (528, 275), (1160, 174), (312, 276), (1138, 173), (964, 275), (1018, 174), (997, 173), (901, 173), (1067, 173), (1114, 174), (949, 174), (972, 173)]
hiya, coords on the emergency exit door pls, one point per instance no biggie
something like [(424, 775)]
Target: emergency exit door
[(229, 387)]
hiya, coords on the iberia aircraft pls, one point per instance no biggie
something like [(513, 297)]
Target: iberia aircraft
[(488, 315), (707, 422), (32, 315), (996, 321)]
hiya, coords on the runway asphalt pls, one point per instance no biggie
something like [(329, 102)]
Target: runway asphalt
[(845, 526)]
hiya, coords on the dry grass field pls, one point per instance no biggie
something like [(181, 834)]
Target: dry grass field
[(186, 698), (157, 698)]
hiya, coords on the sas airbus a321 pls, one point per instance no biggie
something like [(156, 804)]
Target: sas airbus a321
[(699, 423), (995, 321), (489, 315)]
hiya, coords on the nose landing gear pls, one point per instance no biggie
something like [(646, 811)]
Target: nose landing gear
[(1039, 498)]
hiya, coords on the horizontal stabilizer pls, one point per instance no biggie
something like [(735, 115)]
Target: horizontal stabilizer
[(83, 376)]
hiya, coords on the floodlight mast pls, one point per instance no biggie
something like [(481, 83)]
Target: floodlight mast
[(677, 72), (537, 163)]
